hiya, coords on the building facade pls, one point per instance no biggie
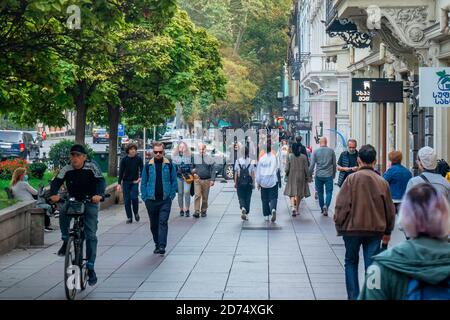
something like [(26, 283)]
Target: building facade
[(390, 40)]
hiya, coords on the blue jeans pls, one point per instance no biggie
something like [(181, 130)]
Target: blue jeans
[(131, 197), (328, 183), (90, 231), (371, 247), (159, 212)]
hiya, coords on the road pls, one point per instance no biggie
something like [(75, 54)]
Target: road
[(51, 141)]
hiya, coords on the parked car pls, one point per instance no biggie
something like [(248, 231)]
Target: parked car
[(17, 144), (100, 136)]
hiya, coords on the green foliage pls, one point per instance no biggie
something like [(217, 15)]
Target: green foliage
[(37, 170), (59, 154)]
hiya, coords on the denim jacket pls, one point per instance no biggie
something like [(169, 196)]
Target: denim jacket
[(149, 180)]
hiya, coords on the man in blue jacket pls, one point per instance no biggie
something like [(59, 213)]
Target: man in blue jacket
[(158, 189)]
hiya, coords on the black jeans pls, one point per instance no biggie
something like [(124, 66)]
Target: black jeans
[(159, 212), (244, 195), (269, 198)]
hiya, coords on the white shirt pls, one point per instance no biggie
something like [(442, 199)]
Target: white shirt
[(266, 171)]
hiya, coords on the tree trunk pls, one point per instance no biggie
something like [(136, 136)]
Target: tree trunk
[(240, 35), (113, 119), (81, 113)]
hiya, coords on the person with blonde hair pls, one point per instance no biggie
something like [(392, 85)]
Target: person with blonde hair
[(23, 191), (182, 159), (419, 268)]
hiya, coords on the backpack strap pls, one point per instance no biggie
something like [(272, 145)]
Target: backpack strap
[(425, 178)]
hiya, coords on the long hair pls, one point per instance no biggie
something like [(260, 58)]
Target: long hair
[(16, 175)]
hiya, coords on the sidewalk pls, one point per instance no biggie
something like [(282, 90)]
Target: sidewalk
[(217, 257)]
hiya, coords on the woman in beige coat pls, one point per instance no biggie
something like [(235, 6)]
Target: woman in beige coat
[(297, 182)]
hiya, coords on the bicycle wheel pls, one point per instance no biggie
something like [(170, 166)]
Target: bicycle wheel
[(83, 267), (71, 270)]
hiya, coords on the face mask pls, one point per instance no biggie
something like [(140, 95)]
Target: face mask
[(25, 178)]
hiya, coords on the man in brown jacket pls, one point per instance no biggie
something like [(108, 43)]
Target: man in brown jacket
[(364, 216)]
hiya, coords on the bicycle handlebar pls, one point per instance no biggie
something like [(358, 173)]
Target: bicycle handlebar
[(86, 200)]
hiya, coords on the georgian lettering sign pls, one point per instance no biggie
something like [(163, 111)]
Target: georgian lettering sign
[(434, 89), (366, 90)]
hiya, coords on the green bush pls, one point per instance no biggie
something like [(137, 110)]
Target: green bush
[(37, 170), (60, 153)]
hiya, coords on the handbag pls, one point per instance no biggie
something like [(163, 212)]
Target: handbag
[(188, 178)]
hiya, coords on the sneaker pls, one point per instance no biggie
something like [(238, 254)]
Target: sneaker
[(162, 250), (48, 229), (181, 213), (294, 212), (325, 211), (243, 214), (156, 251), (62, 250), (187, 214), (196, 215), (136, 217), (266, 218), (92, 277), (129, 221), (203, 214), (274, 215)]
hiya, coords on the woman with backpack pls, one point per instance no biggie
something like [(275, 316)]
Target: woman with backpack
[(244, 182), (297, 178), (419, 268)]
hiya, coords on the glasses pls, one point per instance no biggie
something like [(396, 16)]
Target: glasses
[(158, 152)]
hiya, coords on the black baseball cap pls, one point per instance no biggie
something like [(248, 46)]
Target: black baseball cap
[(78, 148)]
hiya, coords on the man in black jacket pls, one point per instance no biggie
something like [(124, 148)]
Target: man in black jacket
[(83, 180), (130, 172), (204, 177)]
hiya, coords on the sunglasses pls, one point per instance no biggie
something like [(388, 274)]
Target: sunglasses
[(158, 152)]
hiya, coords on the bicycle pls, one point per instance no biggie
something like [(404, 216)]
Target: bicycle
[(75, 262)]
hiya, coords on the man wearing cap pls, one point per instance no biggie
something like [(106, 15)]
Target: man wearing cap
[(83, 180), (427, 161)]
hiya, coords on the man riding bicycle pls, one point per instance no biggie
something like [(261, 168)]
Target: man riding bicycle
[(83, 180)]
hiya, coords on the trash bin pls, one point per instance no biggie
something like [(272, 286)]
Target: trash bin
[(102, 160)]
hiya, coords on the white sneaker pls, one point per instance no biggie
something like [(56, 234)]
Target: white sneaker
[(274, 215), (243, 214), (266, 218)]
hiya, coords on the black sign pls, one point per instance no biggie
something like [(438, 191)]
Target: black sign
[(304, 125), (376, 90)]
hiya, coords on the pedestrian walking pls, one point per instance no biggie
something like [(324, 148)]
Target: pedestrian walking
[(324, 160), (427, 162), (130, 172), (267, 180), (417, 269), (204, 177), (297, 178), (182, 158), (398, 177), (347, 163), (364, 216), (244, 181), (158, 189)]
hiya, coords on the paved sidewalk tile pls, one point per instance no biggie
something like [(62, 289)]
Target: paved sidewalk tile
[(217, 257)]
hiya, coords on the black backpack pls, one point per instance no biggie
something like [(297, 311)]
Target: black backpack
[(244, 179)]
